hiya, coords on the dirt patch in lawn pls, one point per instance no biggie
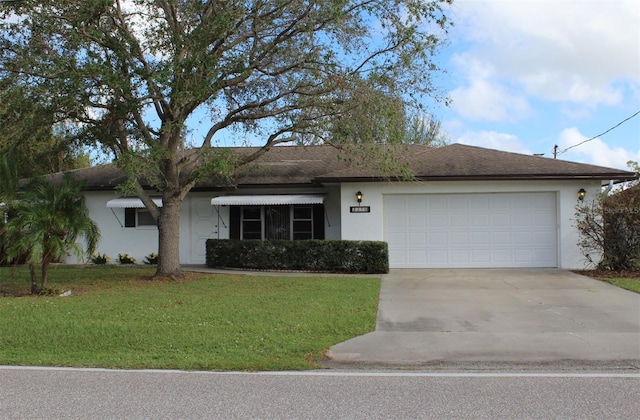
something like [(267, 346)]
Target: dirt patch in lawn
[(609, 274)]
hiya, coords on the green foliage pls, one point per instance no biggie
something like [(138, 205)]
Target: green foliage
[(632, 284), (312, 255), (280, 71), (31, 138), (425, 130), (126, 259), (116, 318), (151, 259), (46, 223), (635, 167), (100, 259), (609, 228)]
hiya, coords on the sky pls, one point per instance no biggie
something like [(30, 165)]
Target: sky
[(526, 75)]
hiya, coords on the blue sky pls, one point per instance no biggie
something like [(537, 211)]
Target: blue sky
[(525, 75)]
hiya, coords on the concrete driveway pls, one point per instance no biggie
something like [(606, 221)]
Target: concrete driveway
[(512, 316)]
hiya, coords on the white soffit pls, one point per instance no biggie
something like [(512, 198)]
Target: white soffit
[(267, 200), (130, 203)]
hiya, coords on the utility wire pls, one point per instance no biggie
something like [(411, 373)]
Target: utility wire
[(555, 152)]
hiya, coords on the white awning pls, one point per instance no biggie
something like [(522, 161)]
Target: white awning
[(130, 203), (267, 200)]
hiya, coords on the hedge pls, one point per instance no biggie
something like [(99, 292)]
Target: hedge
[(371, 257)]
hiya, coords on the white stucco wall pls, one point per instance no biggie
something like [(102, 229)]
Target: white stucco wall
[(200, 220), (369, 226), (115, 239)]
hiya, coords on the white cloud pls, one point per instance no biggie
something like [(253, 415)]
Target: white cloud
[(484, 100), (594, 152), (493, 140), (579, 52)]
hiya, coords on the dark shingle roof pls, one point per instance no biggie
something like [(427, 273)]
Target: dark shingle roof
[(458, 161), (298, 165)]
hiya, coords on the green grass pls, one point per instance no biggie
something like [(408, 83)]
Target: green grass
[(632, 284), (629, 280), (117, 318)]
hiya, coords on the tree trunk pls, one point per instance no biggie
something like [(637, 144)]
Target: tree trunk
[(169, 239), (45, 273), (34, 280)]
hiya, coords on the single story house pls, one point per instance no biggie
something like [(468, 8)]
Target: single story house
[(468, 207)]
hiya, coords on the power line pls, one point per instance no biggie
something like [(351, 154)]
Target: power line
[(555, 148)]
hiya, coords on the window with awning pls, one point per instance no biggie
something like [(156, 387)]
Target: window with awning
[(135, 213), (272, 217)]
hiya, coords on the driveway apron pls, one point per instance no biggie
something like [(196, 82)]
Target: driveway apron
[(498, 316)]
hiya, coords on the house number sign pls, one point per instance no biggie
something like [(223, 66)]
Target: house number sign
[(360, 209)]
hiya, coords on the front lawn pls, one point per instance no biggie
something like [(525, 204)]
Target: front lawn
[(117, 318), (629, 280)]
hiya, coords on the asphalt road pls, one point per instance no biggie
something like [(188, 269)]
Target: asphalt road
[(96, 394)]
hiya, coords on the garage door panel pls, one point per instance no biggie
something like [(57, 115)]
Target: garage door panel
[(471, 230), (437, 239), (459, 220), (416, 240), (437, 204), (459, 239), (437, 220), (417, 221), (479, 220), (481, 238), (522, 239), (545, 237), (479, 256), (437, 256), (501, 256), (417, 257), (480, 203), (501, 238), (460, 257), (544, 254), (542, 219), (523, 256), (501, 220), (415, 204)]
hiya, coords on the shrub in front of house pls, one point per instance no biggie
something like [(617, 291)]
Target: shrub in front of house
[(100, 259), (371, 257), (609, 228), (151, 259), (126, 259)]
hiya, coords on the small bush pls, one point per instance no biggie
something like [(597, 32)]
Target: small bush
[(151, 259), (100, 259), (126, 259)]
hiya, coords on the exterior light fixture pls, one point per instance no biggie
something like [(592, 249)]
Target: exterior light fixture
[(581, 194), (359, 197)]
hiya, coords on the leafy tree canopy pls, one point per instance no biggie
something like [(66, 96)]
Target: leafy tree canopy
[(29, 138), (128, 75)]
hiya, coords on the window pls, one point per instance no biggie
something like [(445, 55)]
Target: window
[(278, 222), (145, 218), (302, 223), (138, 217), (251, 223)]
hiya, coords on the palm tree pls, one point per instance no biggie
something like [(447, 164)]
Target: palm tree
[(46, 222), (8, 184)]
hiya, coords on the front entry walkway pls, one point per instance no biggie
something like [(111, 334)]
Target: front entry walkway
[(512, 316)]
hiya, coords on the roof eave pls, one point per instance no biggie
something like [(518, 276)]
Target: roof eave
[(617, 177)]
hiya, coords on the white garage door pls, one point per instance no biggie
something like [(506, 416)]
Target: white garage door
[(471, 230)]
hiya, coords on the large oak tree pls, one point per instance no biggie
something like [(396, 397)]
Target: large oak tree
[(132, 76)]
